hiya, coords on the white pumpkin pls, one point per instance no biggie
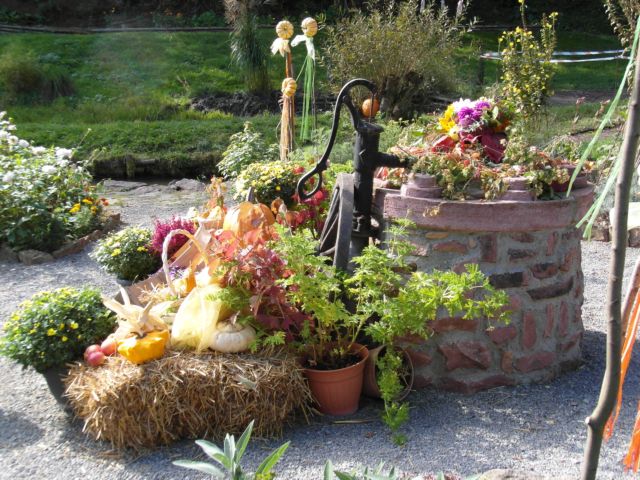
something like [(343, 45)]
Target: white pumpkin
[(232, 338)]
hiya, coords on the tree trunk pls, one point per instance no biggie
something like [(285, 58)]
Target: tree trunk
[(611, 381)]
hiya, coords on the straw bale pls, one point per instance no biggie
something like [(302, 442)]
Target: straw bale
[(186, 395)]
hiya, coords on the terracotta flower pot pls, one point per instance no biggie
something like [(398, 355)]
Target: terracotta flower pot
[(337, 392), (370, 385)]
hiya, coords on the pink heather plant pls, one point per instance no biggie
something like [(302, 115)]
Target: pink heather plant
[(162, 229)]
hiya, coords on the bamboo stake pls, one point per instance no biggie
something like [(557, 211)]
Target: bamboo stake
[(611, 380)]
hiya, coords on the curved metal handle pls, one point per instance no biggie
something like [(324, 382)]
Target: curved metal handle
[(356, 120)]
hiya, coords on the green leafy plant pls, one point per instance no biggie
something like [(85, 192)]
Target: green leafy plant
[(53, 328), (396, 302), (230, 456), (248, 53), (269, 181), (45, 196), (623, 15), (245, 148), (394, 31), (527, 70), (127, 254)]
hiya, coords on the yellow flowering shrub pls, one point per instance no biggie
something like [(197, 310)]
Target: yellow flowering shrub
[(53, 328), (527, 70), (127, 255)]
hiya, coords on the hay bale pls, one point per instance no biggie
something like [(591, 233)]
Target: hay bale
[(186, 395)]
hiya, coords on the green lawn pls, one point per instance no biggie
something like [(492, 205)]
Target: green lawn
[(132, 90)]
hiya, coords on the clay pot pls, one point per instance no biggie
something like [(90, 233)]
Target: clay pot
[(370, 385), (580, 182), (337, 392)]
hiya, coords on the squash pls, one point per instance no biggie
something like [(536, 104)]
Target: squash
[(197, 318), (309, 27), (370, 109), (142, 350), (247, 216), (232, 338)]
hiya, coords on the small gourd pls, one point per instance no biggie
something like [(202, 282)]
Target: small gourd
[(309, 27), (284, 29), (370, 109), (232, 338), (289, 87), (247, 216)]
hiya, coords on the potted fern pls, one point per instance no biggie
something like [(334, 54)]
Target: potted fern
[(394, 301)]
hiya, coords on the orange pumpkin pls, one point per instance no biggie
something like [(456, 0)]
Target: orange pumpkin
[(247, 216), (370, 109)]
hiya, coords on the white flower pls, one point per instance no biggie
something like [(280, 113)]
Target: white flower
[(9, 177), (23, 143), (63, 163), (63, 153), (12, 139), (2, 114), (460, 104), (11, 127), (38, 150), (4, 134), (49, 169)]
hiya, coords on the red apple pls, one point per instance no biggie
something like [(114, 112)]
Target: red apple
[(96, 359), (91, 349), (109, 346)]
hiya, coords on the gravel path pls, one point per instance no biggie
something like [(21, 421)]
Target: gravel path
[(536, 428)]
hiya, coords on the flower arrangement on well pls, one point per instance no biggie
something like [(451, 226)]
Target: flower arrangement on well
[(53, 328), (473, 150), (128, 254)]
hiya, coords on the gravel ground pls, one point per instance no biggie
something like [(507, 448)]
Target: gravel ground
[(535, 428)]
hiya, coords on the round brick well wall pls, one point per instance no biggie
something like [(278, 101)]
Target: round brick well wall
[(531, 249)]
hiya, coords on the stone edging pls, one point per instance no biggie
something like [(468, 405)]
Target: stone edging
[(36, 257)]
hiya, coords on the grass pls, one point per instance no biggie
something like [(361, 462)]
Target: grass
[(132, 92)]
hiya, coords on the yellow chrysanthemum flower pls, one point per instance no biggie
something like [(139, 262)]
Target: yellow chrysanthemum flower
[(116, 252), (64, 339), (75, 208), (73, 325), (51, 332)]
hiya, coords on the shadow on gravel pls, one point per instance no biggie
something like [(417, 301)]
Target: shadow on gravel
[(17, 431)]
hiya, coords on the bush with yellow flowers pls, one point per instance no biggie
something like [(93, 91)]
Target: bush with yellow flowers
[(127, 254), (53, 328), (269, 181), (527, 70)]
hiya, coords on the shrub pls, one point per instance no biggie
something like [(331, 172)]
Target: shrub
[(44, 196), (162, 229), (245, 148), (526, 68), (53, 328), (407, 55), (623, 15), (269, 181), (127, 254), (23, 79)]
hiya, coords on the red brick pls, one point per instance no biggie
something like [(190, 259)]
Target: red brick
[(529, 335), (459, 386), (507, 280), (551, 291), (536, 361), (572, 342), (415, 339), (451, 324), (515, 302), (570, 259), (523, 237), (548, 327), (451, 247), (488, 248), (516, 254), (436, 235), (506, 363), (501, 335), (544, 270), (469, 354), (577, 317), (563, 324), (419, 359), (421, 381), (552, 240)]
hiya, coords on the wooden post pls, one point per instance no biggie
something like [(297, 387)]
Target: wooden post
[(611, 380)]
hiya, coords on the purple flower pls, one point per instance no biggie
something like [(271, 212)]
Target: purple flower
[(467, 116)]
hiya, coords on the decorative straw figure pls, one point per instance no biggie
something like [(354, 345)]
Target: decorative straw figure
[(309, 28), (289, 87), (284, 29)]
